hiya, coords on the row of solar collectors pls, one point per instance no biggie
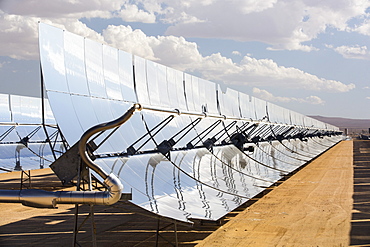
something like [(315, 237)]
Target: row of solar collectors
[(90, 83), (88, 68), (17, 157), (205, 184), (18, 109), (23, 143)]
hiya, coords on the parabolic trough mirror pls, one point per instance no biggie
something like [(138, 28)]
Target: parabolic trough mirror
[(192, 151), (29, 136)]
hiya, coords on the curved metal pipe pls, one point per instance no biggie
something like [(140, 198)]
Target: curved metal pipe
[(49, 199), (98, 128)]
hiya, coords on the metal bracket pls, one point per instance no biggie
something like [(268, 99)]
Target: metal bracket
[(66, 166)]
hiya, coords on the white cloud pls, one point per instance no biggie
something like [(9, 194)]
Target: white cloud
[(131, 13), (172, 51), (19, 20), (363, 28), (314, 100), (352, 52), (236, 53), (61, 8), (18, 39), (251, 6), (76, 9), (285, 24), (265, 95), (178, 53), (265, 72), (19, 34), (180, 18), (367, 97), (133, 41)]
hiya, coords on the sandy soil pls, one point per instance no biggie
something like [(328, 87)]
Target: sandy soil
[(312, 208)]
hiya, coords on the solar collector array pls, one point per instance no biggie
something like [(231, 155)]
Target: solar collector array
[(90, 83), (22, 136)]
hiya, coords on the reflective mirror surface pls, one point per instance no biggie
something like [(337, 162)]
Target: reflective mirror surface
[(193, 151)]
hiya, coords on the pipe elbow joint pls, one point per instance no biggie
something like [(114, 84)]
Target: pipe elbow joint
[(115, 189)]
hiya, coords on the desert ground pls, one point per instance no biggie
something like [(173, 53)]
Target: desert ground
[(326, 203)]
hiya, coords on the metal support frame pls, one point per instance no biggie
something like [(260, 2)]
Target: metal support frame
[(27, 178), (6, 133), (52, 140), (171, 222), (81, 184), (56, 134), (158, 234)]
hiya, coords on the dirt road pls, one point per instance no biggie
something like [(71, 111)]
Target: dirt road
[(312, 208)]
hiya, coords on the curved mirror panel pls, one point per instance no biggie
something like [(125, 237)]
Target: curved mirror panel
[(111, 72), (152, 83), (140, 80), (26, 109), (126, 76), (189, 93), (230, 103), (5, 113), (246, 106), (260, 108), (94, 68), (198, 104), (48, 114), (74, 56), (162, 85), (210, 96), (66, 116), (175, 86), (51, 47)]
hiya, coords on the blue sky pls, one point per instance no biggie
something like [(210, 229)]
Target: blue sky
[(309, 56)]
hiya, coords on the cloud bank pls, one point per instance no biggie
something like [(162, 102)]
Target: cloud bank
[(352, 52), (265, 95), (284, 24)]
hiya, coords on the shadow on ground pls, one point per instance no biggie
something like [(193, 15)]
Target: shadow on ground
[(360, 223), (122, 225)]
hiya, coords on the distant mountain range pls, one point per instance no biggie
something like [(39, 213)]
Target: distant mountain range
[(346, 123)]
